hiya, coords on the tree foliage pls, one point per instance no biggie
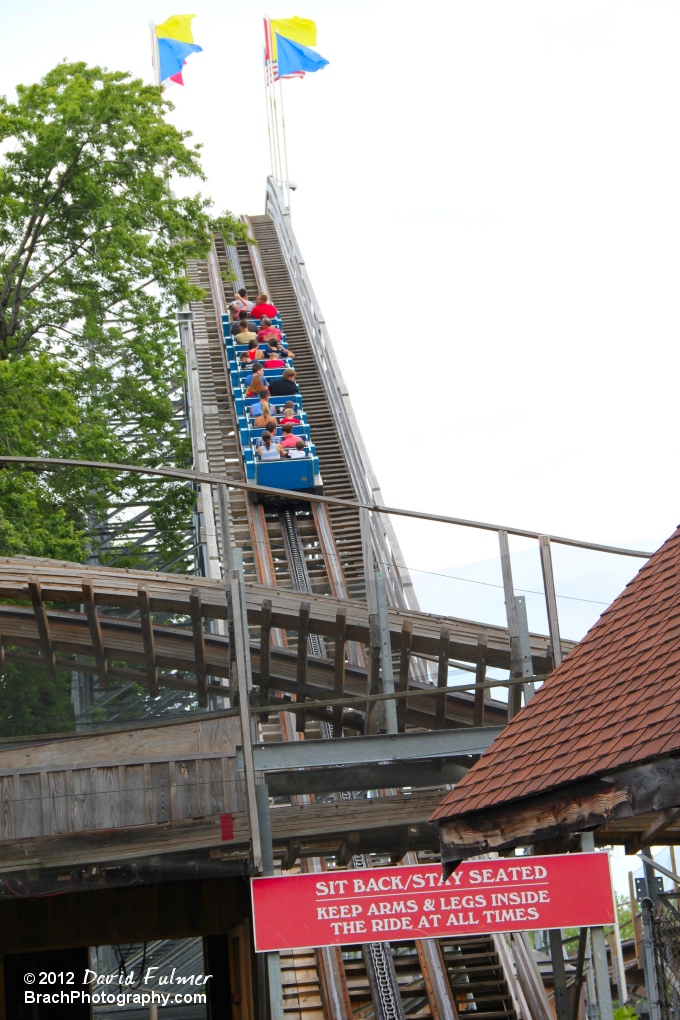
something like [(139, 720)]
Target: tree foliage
[(93, 252)]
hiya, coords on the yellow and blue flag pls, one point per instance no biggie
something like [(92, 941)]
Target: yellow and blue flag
[(287, 51), (175, 43)]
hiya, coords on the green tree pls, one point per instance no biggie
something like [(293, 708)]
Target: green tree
[(93, 251)]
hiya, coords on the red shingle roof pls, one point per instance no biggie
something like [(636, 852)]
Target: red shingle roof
[(614, 701)]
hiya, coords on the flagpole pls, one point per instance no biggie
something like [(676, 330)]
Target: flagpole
[(155, 56), (278, 140), (285, 144), (269, 123)]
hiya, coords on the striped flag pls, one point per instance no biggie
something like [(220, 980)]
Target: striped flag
[(271, 67)]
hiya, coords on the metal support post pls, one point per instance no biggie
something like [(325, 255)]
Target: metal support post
[(386, 653), (559, 974), (242, 663), (647, 908), (604, 992), (550, 598), (273, 959), (514, 694), (524, 645)]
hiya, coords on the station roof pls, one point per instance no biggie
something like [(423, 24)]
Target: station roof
[(613, 702)]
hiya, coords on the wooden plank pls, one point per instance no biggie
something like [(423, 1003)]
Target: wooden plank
[(58, 802), (442, 678), (95, 631), (550, 598), (148, 795), (42, 625), (83, 800), (339, 669), (8, 808), (160, 791), (265, 656), (302, 657), (404, 665), (196, 614), (148, 639), (480, 677), (30, 804), (134, 794)]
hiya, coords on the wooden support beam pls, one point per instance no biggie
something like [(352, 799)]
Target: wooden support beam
[(550, 598), (480, 677), (42, 622), (95, 631), (147, 638), (348, 848), (404, 665), (302, 655), (265, 652), (339, 674), (663, 821), (442, 678), (196, 614), (3, 657), (373, 715)]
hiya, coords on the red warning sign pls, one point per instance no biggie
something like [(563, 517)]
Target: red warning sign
[(391, 904)]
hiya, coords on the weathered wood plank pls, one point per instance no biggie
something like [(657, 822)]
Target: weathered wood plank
[(339, 671)]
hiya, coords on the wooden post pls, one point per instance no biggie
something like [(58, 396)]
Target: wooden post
[(43, 625), (147, 638), (196, 613), (511, 616), (367, 553), (95, 631), (339, 673), (442, 678), (550, 598), (404, 663), (480, 677), (302, 654), (265, 652)]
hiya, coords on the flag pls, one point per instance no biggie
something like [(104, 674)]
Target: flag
[(293, 57), (175, 43), (271, 71), (300, 30)]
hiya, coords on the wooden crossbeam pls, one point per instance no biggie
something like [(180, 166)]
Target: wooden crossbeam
[(302, 656), (43, 625), (339, 673), (265, 651), (442, 678), (404, 664), (147, 638), (480, 677), (196, 614), (95, 631), (663, 821)]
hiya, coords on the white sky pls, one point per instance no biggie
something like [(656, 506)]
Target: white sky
[(489, 209)]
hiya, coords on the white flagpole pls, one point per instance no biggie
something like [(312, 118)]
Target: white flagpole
[(269, 119), (155, 55), (285, 144)]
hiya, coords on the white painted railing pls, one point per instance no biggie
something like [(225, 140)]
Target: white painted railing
[(385, 543)]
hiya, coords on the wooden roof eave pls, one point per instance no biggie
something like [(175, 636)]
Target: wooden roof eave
[(597, 802)]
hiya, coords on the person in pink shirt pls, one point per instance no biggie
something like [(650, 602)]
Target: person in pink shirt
[(289, 440)]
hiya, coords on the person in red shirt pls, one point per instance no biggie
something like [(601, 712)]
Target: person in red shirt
[(254, 352), (289, 415), (262, 307), (273, 361), (289, 440)]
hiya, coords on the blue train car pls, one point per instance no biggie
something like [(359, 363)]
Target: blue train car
[(297, 474)]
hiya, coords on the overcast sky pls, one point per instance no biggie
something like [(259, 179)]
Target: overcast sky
[(488, 207)]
